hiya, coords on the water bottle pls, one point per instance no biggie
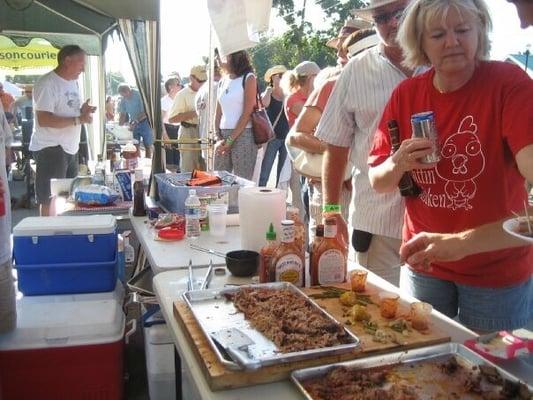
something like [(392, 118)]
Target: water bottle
[(192, 215), (99, 172)]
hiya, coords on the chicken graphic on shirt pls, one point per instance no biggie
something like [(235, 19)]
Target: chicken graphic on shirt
[(462, 160)]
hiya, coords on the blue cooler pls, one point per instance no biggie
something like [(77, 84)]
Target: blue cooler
[(60, 255)]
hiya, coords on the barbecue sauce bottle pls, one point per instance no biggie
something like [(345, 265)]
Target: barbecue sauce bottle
[(319, 236), (408, 187), (329, 260), (266, 272), (288, 260)]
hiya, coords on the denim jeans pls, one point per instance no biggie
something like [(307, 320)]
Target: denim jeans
[(273, 147)]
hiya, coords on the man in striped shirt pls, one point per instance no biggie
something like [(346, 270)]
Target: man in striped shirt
[(348, 125)]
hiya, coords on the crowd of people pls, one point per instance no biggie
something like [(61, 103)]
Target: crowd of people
[(396, 59)]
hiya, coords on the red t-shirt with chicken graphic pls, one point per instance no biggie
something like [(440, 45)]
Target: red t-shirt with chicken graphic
[(480, 129)]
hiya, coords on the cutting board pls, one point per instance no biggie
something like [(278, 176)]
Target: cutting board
[(220, 378)]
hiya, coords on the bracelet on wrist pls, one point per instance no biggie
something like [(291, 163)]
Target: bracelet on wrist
[(331, 208), (77, 121), (229, 140)]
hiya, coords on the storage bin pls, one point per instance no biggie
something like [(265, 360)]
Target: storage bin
[(41, 279), (68, 239), (159, 351), (64, 347), (173, 190)]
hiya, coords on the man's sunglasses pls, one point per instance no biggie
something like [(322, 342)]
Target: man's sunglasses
[(384, 18)]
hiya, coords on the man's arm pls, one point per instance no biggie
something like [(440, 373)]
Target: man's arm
[(304, 131), (50, 120), (184, 116)]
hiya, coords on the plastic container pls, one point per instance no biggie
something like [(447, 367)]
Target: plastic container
[(217, 219), (192, 215), (159, 350), (64, 347), (44, 240), (173, 190)]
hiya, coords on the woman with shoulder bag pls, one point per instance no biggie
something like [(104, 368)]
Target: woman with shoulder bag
[(273, 98), (235, 150)]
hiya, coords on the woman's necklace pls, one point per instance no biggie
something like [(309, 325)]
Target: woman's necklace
[(437, 85)]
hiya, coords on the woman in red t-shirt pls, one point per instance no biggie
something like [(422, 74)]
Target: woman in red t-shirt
[(483, 111)]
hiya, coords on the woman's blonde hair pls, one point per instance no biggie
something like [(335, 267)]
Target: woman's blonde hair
[(420, 12)]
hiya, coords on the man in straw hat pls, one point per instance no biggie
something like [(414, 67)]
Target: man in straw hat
[(350, 26), (349, 121)]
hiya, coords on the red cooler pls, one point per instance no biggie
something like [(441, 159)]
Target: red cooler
[(64, 347)]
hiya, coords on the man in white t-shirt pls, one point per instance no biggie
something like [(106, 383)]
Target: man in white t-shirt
[(58, 118), (170, 131), (8, 314)]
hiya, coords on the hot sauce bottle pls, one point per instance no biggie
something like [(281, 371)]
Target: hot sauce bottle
[(407, 186), (293, 213), (329, 261), (266, 272), (288, 259), (319, 236)]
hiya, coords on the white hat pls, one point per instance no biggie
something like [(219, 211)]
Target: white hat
[(351, 25), (363, 44), (306, 68), (366, 12)]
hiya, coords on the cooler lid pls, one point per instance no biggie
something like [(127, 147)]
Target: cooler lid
[(54, 322), (65, 225)]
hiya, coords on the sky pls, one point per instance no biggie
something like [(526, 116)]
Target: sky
[(185, 34)]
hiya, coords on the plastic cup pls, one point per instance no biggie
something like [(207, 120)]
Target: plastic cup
[(217, 219), (388, 304), (421, 315), (358, 280)]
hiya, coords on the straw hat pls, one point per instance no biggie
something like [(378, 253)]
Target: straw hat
[(363, 44), (351, 25), (199, 72), (276, 69), (366, 12)]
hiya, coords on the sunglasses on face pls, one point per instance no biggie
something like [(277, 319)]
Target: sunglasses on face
[(384, 18)]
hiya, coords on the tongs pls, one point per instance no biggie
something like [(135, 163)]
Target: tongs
[(206, 281)]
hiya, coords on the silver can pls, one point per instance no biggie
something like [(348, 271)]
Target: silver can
[(423, 126)]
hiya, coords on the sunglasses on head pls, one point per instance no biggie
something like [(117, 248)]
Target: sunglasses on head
[(384, 18)]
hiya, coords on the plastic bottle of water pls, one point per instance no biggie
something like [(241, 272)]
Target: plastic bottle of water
[(192, 215), (99, 172)]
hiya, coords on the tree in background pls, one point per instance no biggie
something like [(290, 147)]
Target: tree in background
[(112, 80), (302, 41)]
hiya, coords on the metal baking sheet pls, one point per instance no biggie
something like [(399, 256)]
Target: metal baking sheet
[(464, 356), (214, 312)]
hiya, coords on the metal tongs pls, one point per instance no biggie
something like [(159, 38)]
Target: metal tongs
[(206, 281)]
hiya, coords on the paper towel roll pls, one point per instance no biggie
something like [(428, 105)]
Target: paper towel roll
[(258, 207)]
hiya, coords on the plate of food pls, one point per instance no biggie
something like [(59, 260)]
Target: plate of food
[(520, 227)]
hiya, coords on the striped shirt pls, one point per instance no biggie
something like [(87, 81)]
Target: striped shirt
[(350, 119)]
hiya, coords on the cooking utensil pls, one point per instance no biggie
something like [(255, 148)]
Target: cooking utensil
[(190, 282), (208, 276), (236, 343), (239, 262)]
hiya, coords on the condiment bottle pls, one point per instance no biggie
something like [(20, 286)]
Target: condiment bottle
[(288, 259), (139, 208), (408, 187), (293, 213), (329, 264), (319, 236), (266, 272)]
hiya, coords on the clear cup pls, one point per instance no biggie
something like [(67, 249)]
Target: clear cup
[(217, 219), (358, 280), (421, 315), (388, 304)]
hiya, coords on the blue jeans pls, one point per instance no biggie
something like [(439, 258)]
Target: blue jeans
[(143, 130), (479, 308), (273, 147)]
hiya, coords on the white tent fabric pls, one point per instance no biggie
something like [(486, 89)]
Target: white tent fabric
[(237, 23)]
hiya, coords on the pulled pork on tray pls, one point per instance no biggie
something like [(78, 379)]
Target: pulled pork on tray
[(289, 320)]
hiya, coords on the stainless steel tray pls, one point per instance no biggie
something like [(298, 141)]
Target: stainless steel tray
[(465, 357), (214, 313)]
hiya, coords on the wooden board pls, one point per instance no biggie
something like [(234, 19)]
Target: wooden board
[(220, 378)]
